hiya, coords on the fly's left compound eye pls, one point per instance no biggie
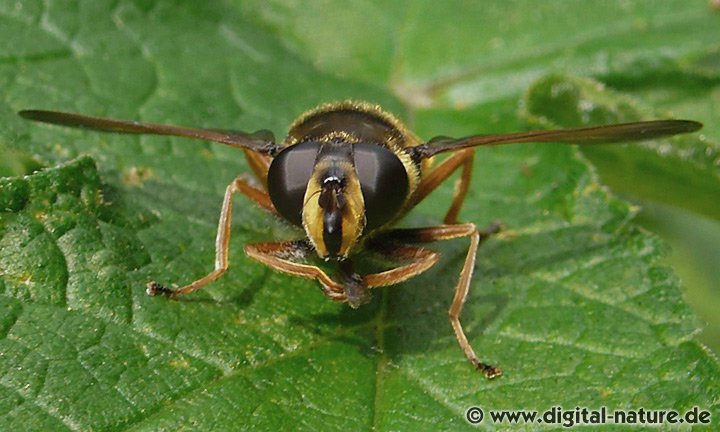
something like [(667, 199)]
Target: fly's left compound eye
[(288, 177), (383, 180)]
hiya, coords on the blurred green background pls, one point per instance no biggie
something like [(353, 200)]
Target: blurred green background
[(675, 188)]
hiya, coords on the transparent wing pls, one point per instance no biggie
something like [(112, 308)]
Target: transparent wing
[(261, 141), (624, 132)]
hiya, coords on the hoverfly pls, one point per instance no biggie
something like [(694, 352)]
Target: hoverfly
[(345, 173)]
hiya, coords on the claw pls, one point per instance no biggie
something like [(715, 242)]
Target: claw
[(155, 289), (490, 372)]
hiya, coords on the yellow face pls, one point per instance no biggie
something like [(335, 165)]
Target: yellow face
[(333, 208)]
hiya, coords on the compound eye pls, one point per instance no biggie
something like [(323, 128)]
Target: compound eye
[(383, 180), (288, 177)]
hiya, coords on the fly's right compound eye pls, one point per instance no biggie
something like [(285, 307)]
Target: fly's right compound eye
[(288, 178)]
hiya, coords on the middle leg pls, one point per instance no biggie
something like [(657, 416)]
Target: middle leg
[(448, 232), (222, 239)]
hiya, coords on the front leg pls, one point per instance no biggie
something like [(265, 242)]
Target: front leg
[(284, 257), (289, 257), (351, 286), (354, 285)]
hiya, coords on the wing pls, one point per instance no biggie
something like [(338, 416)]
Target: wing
[(616, 133), (261, 141)]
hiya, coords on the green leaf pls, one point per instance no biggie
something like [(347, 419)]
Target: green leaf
[(570, 300), (684, 174)]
